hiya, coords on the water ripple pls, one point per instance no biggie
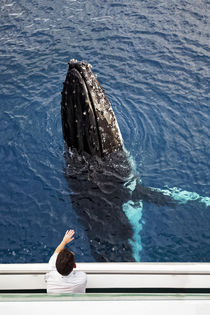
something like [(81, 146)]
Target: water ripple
[(152, 58)]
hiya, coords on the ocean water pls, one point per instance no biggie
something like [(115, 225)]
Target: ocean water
[(152, 58)]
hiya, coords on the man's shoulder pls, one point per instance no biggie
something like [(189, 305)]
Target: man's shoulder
[(79, 274), (78, 277)]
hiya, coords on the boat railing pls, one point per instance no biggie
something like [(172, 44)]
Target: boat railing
[(114, 277)]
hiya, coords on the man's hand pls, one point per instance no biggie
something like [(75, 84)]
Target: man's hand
[(68, 237)]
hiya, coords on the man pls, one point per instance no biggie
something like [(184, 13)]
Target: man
[(62, 278)]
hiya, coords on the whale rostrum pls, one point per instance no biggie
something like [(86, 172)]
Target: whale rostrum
[(88, 121)]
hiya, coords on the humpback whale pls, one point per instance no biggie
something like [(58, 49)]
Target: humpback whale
[(105, 191)]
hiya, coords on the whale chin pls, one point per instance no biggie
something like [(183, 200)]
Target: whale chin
[(88, 121)]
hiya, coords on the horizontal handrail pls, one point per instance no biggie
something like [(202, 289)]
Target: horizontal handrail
[(114, 268)]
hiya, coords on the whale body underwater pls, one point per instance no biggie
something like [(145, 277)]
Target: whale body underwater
[(106, 193)]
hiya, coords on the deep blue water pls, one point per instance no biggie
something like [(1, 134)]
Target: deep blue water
[(152, 58)]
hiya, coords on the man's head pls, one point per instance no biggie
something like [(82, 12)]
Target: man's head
[(65, 262)]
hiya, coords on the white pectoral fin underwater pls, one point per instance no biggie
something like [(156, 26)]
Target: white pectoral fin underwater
[(183, 196), (106, 193), (167, 196)]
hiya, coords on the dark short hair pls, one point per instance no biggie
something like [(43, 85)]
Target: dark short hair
[(65, 262)]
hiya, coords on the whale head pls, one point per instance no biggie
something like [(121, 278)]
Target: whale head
[(88, 121)]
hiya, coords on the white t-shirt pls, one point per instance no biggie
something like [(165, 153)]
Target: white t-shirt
[(75, 282)]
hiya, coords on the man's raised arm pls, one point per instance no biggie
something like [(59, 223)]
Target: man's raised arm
[(68, 237)]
